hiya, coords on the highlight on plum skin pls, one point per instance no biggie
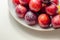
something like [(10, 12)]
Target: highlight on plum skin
[(24, 2), (55, 1)]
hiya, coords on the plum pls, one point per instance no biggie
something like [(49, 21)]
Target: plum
[(30, 18), (44, 20), (35, 5), (52, 9), (21, 11), (56, 21), (15, 2)]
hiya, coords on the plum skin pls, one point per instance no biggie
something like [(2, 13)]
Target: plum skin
[(20, 11), (44, 20), (35, 5), (51, 10), (56, 21), (15, 2), (30, 18)]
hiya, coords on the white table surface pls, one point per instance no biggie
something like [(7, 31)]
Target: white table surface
[(12, 30)]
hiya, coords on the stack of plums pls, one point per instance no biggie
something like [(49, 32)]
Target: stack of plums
[(42, 12)]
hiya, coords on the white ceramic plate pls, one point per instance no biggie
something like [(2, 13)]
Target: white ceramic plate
[(21, 21)]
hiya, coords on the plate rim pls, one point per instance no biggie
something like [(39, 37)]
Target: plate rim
[(24, 24)]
